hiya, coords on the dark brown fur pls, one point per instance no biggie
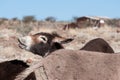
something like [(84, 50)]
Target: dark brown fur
[(41, 48), (99, 45), (10, 69)]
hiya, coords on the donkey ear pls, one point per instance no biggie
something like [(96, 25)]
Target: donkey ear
[(61, 39), (66, 40)]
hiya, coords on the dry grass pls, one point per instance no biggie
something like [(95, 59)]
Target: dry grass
[(82, 36), (8, 37), (9, 45)]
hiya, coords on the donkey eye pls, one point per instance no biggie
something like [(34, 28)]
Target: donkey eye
[(44, 38)]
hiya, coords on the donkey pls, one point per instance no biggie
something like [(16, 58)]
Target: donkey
[(43, 43), (99, 45)]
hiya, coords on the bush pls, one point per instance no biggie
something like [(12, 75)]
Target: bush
[(2, 20), (15, 19), (27, 19), (50, 19), (113, 22)]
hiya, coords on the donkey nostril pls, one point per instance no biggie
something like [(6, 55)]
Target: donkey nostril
[(21, 41)]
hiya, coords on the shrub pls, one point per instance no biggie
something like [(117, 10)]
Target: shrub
[(2, 20), (15, 19), (113, 22), (50, 19), (27, 19)]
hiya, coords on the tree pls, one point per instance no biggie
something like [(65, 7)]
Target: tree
[(28, 19), (15, 19), (50, 19)]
